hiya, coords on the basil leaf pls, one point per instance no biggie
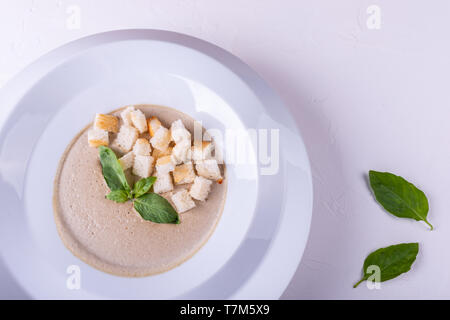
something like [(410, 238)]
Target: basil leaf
[(118, 196), (155, 208), (392, 261), (112, 170), (399, 197), (142, 186)]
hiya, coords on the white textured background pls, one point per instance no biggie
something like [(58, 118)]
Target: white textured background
[(363, 99)]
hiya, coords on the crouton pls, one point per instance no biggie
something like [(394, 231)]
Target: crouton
[(116, 148), (202, 150), (184, 173), (179, 132), (153, 124), (200, 188), (138, 120), (208, 169), (161, 139), (126, 138), (181, 152), (143, 166), (127, 160), (158, 153), (142, 147), (163, 183), (106, 122), (164, 164), (126, 115), (182, 201), (97, 137)]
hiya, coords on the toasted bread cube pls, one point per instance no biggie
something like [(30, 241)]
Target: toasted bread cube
[(143, 166), (181, 152), (126, 138), (158, 153), (127, 160), (184, 173), (97, 137), (161, 139), (200, 188), (153, 124), (118, 150), (106, 122), (179, 132), (126, 115), (182, 201), (208, 169), (164, 164), (139, 121), (163, 183), (142, 147), (202, 150)]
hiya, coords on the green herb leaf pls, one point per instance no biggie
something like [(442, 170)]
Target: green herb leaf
[(399, 197), (112, 170), (155, 208), (391, 261), (118, 196), (142, 186)]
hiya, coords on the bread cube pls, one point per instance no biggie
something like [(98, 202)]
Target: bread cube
[(200, 188), (163, 183), (126, 138), (143, 166), (164, 165), (97, 137), (208, 169), (182, 201), (161, 139), (142, 147), (181, 152), (126, 115), (106, 122), (179, 133), (139, 121), (158, 153), (153, 124), (127, 160), (202, 150), (184, 173), (118, 150)]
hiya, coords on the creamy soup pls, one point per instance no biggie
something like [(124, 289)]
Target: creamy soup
[(113, 237)]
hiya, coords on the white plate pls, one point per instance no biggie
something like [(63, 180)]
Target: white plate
[(261, 236)]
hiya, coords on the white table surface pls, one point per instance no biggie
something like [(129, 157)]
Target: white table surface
[(364, 98)]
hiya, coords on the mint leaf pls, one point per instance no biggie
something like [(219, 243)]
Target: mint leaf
[(150, 206), (399, 197), (153, 207), (142, 186), (112, 170), (118, 196), (391, 261)]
